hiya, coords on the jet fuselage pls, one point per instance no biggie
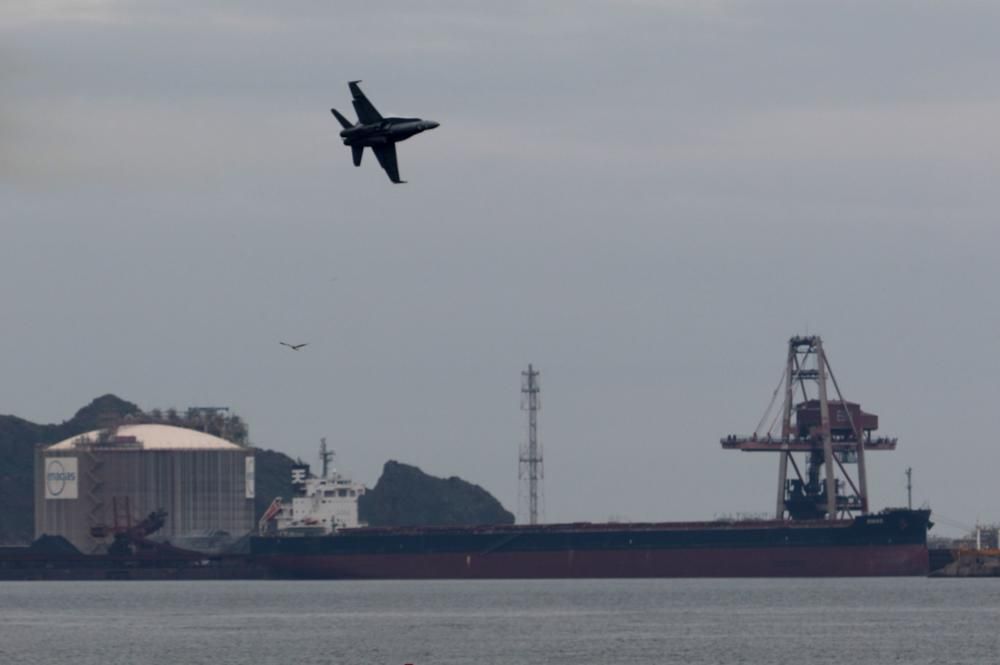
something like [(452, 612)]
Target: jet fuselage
[(389, 130)]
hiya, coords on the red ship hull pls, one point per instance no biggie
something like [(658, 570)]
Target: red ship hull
[(864, 561)]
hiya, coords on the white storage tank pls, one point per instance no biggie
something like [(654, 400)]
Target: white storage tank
[(110, 478)]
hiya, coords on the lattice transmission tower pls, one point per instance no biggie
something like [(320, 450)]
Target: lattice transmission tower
[(530, 470)]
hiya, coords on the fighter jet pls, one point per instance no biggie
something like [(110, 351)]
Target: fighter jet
[(378, 133)]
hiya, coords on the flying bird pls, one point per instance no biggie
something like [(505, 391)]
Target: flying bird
[(294, 347)]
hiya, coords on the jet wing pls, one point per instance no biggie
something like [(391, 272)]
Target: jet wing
[(386, 155), (367, 113)]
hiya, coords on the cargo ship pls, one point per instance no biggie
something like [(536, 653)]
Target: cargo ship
[(890, 543), (822, 524)]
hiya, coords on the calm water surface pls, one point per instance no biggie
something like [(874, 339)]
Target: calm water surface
[(510, 623)]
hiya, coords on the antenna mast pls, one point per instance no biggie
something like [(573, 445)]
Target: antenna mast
[(530, 467), (325, 456), (909, 487)]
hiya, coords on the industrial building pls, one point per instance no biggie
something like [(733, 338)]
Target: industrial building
[(91, 486)]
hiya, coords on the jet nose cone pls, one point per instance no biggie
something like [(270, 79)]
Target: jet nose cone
[(433, 125)]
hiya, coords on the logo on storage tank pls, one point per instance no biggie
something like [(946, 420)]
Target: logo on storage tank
[(249, 477), (60, 478)]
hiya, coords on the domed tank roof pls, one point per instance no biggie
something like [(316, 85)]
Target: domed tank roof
[(150, 437)]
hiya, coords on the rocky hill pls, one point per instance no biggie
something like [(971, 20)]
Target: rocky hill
[(406, 496)]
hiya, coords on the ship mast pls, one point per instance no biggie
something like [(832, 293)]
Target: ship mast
[(325, 457), (530, 467), (909, 487)]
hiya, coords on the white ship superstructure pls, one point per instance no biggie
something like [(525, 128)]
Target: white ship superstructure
[(322, 504)]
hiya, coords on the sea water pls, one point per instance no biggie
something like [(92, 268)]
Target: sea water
[(853, 621)]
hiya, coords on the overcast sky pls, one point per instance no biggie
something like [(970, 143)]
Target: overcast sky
[(644, 199)]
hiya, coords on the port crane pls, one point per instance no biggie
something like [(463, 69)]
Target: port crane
[(830, 434)]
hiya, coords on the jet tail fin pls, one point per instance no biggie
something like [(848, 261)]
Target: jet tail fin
[(357, 151), (345, 123)]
